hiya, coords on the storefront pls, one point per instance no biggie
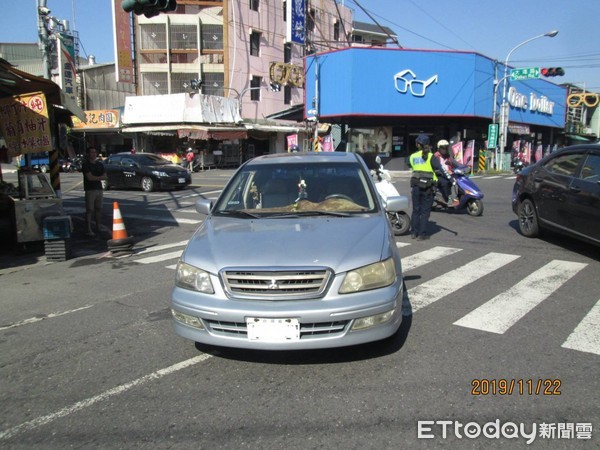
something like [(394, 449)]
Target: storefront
[(386, 97), (210, 125)]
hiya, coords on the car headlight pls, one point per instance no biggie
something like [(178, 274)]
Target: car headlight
[(190, 277), (373, 276), (159, 173)]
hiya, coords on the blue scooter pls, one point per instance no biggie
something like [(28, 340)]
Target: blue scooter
[(467, 192)]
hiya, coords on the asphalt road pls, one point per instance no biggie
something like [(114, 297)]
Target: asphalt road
[(498, 330)]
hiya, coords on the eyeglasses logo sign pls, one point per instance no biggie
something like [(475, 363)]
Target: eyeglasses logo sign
[(588, 99), (417, 88)]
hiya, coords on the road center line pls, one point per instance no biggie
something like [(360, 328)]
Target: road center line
[(43, 420), (39, 319)]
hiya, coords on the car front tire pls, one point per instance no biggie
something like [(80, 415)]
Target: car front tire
[(147, 184), (528, 219)]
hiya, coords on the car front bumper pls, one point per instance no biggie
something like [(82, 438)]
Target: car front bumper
[(324, 323)]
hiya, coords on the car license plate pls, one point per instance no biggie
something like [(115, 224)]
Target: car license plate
[(181, 180), (273, 330)]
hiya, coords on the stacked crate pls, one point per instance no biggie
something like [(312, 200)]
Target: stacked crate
[(57, 238)]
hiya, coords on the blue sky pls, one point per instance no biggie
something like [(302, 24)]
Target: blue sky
[(487, 27)]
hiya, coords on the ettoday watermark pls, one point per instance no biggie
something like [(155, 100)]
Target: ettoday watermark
[(431, 429)]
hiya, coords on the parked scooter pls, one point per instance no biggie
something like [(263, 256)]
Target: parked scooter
[(467, 192), (395, 205)]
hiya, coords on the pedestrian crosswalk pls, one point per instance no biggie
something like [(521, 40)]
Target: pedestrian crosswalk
[(494, 315)]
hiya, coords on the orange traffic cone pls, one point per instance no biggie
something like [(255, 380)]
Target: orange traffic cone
[(120, 242)]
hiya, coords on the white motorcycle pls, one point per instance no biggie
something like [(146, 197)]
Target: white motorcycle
[(396, 205)]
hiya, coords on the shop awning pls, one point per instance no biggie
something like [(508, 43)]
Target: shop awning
[(16, 82), (294, 113), (201, 132), (272, 128), (575, 137)]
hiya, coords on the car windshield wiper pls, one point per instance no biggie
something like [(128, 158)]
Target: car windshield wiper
[(236, 213), (285, 215)]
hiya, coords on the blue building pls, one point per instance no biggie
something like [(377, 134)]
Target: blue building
[(385, 97)]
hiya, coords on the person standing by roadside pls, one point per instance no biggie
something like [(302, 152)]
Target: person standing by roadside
[(93, 174), (422, 181), (189, 157)]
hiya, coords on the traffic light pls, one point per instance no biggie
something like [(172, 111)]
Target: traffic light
[(553, 71), (148, 8)]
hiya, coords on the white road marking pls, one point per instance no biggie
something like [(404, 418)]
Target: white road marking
[(159, 248), (433, 290), (159, 258), (76, 211), (43, 420), (425, 257), (504, 310), (586, 336), (39, 319), (162, 219), (402, 244)]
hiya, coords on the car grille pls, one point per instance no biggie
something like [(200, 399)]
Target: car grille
[(297, 284), (307, 330)]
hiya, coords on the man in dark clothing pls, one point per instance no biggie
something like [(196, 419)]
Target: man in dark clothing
[(422, 181), (93, 174)]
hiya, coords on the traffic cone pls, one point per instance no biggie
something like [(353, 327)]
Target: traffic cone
[(120, 242)]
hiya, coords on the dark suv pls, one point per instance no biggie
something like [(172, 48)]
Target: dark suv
[(561, 192), (144, 170)]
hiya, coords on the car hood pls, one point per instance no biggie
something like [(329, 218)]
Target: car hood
[(341, 243), (168, 168)]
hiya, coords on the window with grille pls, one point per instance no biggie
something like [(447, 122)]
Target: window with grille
[(153, 36), (336, 31), (255, 44), (182, 82), (212, 37), (284, 11), (310, 20), (255, 88), (254, 5), (184, 37), (213, 84), (154, 83)]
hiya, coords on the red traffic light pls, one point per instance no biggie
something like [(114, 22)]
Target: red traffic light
[(552, 71)]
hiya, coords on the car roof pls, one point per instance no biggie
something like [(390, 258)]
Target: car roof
[(593, 146), (305, 157)]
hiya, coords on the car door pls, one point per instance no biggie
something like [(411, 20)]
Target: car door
[(553, 181), (131, 172), (584, 197), (113, 171)]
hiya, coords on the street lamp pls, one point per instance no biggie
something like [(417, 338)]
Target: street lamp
[(504, 110)]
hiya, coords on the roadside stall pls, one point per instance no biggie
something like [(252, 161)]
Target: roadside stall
[(31, 110)]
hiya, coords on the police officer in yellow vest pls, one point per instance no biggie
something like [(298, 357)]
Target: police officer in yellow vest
[(422, 181)]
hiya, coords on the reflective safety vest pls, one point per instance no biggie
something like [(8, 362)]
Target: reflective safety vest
[(420, 165)]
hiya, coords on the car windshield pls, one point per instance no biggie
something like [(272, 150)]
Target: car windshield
[(288, 189), (153, 160)]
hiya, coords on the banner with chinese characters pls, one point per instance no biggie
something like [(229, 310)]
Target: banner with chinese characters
[(122, 40), (24, 123), (66, 66), (292, 142), (98, 118)]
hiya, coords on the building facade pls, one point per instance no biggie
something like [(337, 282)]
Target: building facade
[(389, 96)]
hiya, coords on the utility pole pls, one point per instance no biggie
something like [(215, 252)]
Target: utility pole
[(44, 40)]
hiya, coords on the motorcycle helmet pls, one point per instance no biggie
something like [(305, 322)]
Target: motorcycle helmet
[(443, 143), (422, 139)]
